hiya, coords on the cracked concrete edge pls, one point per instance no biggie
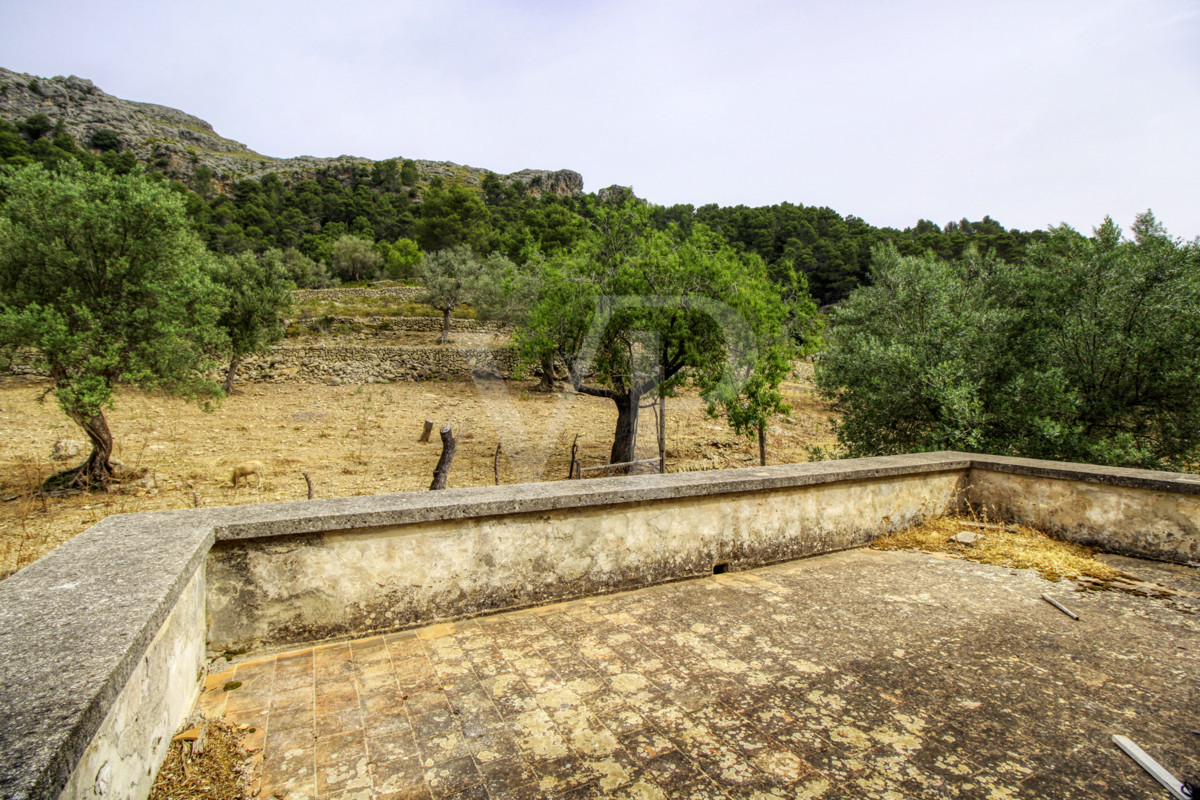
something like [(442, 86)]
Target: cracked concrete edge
[(74, 623)]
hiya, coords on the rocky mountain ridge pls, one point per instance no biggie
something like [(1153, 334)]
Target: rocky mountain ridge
[(178, 143)]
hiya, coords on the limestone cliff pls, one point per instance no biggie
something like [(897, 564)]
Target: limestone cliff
[(177, 143)]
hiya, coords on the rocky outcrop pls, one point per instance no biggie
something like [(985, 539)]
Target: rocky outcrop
[(176, 143), (563, 183), (616, 194)]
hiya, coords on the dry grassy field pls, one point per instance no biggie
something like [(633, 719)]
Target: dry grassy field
[(351, 440)]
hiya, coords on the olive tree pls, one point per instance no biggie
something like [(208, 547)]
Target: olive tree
[(257, 295), (458, 276), (103, 281), (355, 258), (636, 311), (1086, 350)]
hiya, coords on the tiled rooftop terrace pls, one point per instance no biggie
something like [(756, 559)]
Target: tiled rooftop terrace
[(861, 674)]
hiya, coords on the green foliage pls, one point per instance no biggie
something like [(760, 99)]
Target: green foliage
[(458, 276), (35, 127), (402, 257), (452, 217), (1086, 350), (18, 149), (633, 310), (257, 293), (408, 173), (355, 259), (302, 270), (833, 252), (103, 139), (102, 277)]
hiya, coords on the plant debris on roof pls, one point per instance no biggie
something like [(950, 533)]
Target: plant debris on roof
[(1003, 545)]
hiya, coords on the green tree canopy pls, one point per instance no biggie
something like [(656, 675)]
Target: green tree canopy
[(103, 279), (450, 217), (257, 295), (303, 271), (104, 140), (402, 257), (633, 311), (36, 126), (1086, 350), (355, 258), (458, 276)]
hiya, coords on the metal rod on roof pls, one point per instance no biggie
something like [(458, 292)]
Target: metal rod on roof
[(1156, 770), (1060, 607)]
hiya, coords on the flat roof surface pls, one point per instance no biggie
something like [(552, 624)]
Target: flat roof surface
[(862, 674)]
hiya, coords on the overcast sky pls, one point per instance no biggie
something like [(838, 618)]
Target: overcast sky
[(1033, 112)]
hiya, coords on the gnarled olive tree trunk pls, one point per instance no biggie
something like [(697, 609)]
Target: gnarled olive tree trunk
[(547, 383), (231, 374), (97, 470), (625, 437)]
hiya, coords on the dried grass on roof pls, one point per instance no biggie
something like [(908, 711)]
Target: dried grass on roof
[(1015, 546), (223, 771)]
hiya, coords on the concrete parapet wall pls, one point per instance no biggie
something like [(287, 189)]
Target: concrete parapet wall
[(1138, 513), (125, 753), (99, 639), (277, 591)]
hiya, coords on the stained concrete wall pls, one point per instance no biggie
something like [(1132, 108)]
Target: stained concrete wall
[(1149, 518), (131, 743), (273, 592)]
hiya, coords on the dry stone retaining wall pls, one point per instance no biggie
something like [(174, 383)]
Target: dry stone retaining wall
[(401, 293), (383, 325), (339, 364)]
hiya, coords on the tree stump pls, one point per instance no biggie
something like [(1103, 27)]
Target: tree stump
[(443, 465), (425, 433)]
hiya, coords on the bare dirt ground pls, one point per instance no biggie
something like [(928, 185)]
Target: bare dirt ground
[(351, 440)]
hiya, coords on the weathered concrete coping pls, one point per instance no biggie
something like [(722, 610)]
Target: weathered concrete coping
[(348, 513), (74, 624), (1151, 480)]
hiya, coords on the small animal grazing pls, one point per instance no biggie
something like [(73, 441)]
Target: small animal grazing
[(246, 469)]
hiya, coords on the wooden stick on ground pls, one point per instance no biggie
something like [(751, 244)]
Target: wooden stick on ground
[(571, 471), (496, 464), (425, 433), (308, 480), (443, 465)]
